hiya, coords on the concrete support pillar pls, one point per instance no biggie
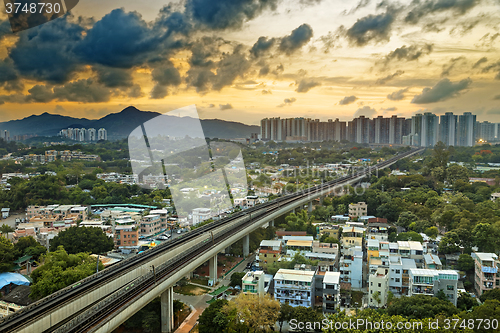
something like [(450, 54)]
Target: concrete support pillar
[(246, 246), (167, 310), (212, 268), (271, 223), (310, 207)]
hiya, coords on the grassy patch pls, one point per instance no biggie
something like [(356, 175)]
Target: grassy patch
[(200, 281), (191, 290)]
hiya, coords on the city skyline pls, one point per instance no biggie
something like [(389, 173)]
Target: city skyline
[(422, 129), (242, 61)]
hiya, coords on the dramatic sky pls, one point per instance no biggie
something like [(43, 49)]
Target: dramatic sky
[(244, 60)]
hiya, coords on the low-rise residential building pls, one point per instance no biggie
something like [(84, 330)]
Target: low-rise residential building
[(253, 283), (294, 287), (150, 225), (331, 291), (432, 261), (486, 275), (372, 248), (126, 235), (269, 252), (351, 267), (358, 210), (378, 285), (293, 246), (332, 248), (377, 231), (330, 230), (352, 237), (200, 215), (431, 281)]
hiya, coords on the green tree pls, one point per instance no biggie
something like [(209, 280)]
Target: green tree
[(493, 294), (29, 246), (376, 297), (449, 243), (406, 218), (420, 306), (465, 263), (213, 320), (410, 236), (5, 229), (7, 255), (466, 302), (486, 237), (61, 269), (83, 239), (303, 314), (432, 232), (457, 172), (286, 313), (236, 279)]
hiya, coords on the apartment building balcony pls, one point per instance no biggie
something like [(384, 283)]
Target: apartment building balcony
[(423, 291), (487, 269), (488, 284)]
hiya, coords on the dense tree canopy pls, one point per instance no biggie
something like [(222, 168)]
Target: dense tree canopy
[(83, 239), (61, 269)]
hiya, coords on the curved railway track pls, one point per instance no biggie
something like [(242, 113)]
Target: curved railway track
[(96, 312)]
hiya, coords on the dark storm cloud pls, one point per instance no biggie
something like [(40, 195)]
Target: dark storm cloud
[(229, 68), (306, 84), (4, 28), (496, 98), (447, 68), (397, 95), (264, 70), (419, 9), (164, 76), (40, 94), (9, 79), (348, 100), (224, 14), (480, 62), (262, 46), (298, 38), (204, 49), (375, 28), (225, 106), (173, 20), (389, 77), (408, 53), (443, 90), (200, 79), (365, 111), (84, 90), (45, 52), (114, 77), (119, 39)]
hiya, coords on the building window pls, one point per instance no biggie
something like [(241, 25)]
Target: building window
[(397, 279), (379, 285), (449, 287)]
